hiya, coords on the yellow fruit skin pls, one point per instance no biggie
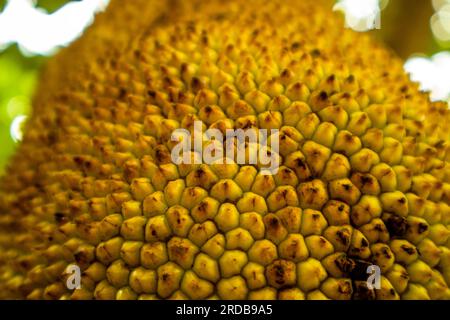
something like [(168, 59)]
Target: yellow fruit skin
[(263, 294), (362, 162), (310, 274), (291, 294), (233, 288), (337, 289)]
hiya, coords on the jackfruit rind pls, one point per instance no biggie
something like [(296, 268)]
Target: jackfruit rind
[(364, 176)]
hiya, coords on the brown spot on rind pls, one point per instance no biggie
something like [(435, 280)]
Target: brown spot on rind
[(409, 250), (362, 292), (396, 225), (344, 237), (345, 264)]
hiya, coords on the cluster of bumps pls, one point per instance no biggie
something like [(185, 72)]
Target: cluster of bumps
[(363, 178)]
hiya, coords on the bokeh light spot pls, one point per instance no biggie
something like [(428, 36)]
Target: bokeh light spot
[(361, 15), (16, 129), (433, 74), (38, 32)]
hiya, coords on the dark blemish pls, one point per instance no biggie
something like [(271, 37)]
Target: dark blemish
[(159, 155), (361, 292), (78, 160), (316, 153), (396, 225), (199, 173), (331, 78), (300, 163), (274, 222), (203, 206), (347, 187), (59, 217), (184, 67), (366, 180), (362, 119), (196, 84), (296, 45), (348, 137), (323, 96), (279, 274), (364, 243), (346, 95), (408, 250), (386, 253), (122, 93), (25, 264), (315, 53), (80, 257), (359, 272), (343, 237), (285, 73), (51, 138), (345, 264), (378, 227), (422, 227)]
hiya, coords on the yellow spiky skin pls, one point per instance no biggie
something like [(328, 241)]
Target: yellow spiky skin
[(363, 178)]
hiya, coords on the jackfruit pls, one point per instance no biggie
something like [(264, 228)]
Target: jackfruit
[(363, 178)]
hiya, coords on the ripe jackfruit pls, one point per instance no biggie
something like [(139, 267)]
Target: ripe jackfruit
[(364, 175)]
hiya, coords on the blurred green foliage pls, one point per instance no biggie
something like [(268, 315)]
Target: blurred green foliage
[(18, 75), (17, 81), (51, 5)]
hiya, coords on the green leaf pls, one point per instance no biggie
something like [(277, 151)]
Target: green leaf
[(51, 5)]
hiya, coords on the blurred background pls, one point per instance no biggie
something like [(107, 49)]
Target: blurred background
[(32, 30)]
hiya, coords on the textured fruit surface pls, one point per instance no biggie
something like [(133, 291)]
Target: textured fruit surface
[(364, 175)]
